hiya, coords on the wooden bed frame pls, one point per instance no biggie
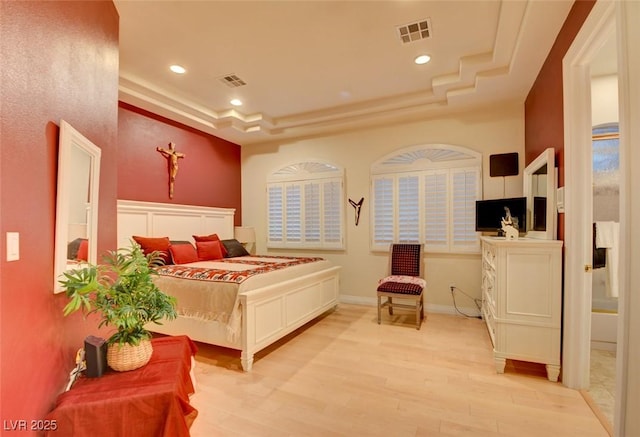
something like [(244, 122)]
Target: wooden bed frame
[(268, 313)]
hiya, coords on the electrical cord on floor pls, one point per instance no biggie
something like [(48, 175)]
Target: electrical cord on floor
[(478, 302)]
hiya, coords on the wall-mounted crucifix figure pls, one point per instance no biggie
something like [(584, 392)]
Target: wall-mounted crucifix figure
[(358, 207), (172, 163)]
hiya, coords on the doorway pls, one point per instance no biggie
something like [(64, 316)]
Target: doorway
[(606, 220), (601, 24)]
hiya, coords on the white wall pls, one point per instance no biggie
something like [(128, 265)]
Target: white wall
[(604, 99), (489, 131)]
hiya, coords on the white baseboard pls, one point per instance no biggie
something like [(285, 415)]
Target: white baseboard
[(440, 309), (604, 346)]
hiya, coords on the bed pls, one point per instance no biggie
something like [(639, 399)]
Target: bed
[(275, 296)]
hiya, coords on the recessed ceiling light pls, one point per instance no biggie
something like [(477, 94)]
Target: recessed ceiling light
[(422, 59), (178, 69), (236, 102)]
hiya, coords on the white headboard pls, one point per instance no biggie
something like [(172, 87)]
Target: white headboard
[(178, 222)]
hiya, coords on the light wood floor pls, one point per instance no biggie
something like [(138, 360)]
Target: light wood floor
[(346, 375)]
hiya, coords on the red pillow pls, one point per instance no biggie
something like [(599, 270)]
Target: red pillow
[(209, 250), (83, 250), (212, 237), (183, 253), (151, 244)]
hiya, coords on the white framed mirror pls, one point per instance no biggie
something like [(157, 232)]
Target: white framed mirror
[(76, 202), (540, 191)]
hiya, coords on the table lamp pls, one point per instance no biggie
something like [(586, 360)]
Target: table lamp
[(247, 236)]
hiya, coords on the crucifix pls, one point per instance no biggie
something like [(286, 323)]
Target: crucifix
[(357, 206), (172, 157)]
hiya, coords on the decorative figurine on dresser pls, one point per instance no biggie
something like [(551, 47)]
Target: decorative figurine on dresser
[(509, 225)]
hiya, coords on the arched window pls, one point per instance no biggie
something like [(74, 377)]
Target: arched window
[(305, 206), (426, 194), (606, 157)]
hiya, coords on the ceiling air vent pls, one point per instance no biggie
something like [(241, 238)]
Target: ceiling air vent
[(232, 81), (414, 31)]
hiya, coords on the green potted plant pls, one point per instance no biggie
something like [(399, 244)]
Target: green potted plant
[(122, 292)]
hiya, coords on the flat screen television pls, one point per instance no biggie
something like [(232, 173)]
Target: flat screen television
[(489, 213)]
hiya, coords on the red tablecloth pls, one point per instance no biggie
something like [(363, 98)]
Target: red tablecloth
[(151, 401)]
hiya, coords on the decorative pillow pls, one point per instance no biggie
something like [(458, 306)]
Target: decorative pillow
[(212, 237), (72, 248), (151, 244), (83, 250), (209, 250), (183, 252), (234, 248)]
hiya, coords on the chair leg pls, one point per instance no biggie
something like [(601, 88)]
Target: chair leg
[(422, 307), (418, 318), (390, 306), (379, 303)]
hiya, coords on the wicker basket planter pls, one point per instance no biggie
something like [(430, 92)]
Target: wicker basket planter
[(123, 357)]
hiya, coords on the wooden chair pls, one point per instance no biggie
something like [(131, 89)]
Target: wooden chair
[(404, 281)]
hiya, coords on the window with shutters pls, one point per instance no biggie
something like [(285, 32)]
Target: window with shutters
[(305, 206), (426, 194)]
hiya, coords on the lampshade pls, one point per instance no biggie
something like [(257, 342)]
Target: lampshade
[(77, 230), (245, 234)]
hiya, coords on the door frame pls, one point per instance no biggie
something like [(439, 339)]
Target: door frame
[(605, 17), (594, 33)]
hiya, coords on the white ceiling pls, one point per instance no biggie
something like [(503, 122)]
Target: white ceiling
[(314, 67)]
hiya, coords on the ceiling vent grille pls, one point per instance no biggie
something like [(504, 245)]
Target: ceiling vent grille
[(414, 31), (232, 81)]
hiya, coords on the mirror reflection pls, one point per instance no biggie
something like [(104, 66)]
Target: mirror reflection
[(539, 199), (77, 202), (539, 189)]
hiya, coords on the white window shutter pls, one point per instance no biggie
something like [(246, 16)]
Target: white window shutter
[(408, 209), (333, 217), (293, 213), (312, 213), (305, 207), (436, 210), (426, 193), (464, 195), (275, 213), (383, 211)]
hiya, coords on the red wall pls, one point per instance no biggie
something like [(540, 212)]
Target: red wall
[(544, 120), (59, 61), (208, 175)]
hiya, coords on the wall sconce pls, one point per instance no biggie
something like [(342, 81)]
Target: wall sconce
[(247, 236)]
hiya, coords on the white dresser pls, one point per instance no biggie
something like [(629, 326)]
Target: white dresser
[(522, 300)]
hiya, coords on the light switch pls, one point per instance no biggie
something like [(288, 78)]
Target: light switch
[(13, 246)]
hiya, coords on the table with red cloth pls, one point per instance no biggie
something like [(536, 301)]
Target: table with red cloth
[(150, 401)]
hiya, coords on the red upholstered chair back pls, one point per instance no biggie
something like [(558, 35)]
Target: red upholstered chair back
[(406, 260)]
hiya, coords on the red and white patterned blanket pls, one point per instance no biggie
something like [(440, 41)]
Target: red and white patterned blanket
[(238, 276), (208, 291)]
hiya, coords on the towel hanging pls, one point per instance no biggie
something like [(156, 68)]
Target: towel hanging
[(599, 253), (608, 236)]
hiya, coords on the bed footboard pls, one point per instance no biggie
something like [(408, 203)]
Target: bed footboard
[(270, 313)]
